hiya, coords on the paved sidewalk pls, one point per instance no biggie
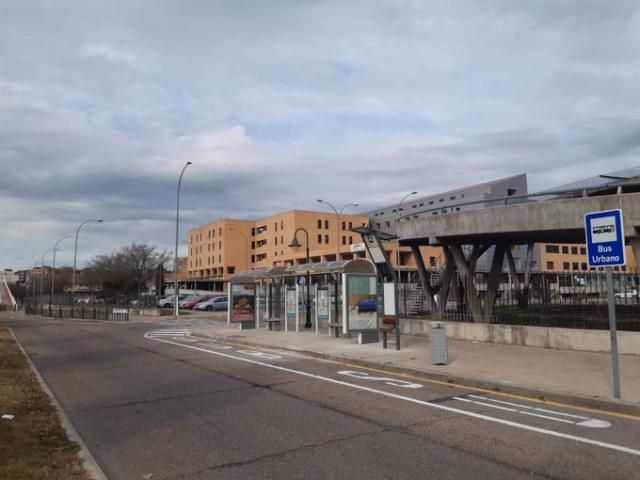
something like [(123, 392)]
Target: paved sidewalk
[(581, 377)]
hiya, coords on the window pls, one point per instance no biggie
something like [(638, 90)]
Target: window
[(253, 232), (565, 266), (457, 209), (432, 261), (281, 224), (549, 265), (344, 240), (441, 200), (565, 249), (231, 269), (276, 240), (452, 197), (552, 249), (430, 202), (583, 266), (350, 225), (326, 239), (583, 251), (220, 244), (281, 239), (319, 238), (253, 245), (378, 226), (253, 258), (574, 250), (350, 240), (319, 224), (326, 224), (344, 225), (275, 226), (388, 224), (414, 206), (394, 210), (574, 265)]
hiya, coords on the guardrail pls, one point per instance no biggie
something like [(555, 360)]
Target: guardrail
[(82, 313)]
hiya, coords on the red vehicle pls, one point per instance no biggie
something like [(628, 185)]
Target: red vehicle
[(191, 301)]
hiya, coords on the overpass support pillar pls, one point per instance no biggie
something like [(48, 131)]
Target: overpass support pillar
[(494, 279), (447, 277), (466, 269), (425, 277)]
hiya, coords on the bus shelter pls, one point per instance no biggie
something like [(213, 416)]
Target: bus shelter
[(343, 295), (254, 296)]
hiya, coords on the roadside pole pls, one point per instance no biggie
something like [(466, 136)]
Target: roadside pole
[(613, 332), (604, 232)]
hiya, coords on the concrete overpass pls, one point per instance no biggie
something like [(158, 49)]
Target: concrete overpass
[(465, 236)]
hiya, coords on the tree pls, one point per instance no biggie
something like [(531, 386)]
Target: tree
[(126, 271)]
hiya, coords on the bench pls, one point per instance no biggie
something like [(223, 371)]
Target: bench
[(336, 328), (389, 325), (273, 321)]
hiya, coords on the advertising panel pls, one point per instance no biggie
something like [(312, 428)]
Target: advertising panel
[(362, 305), (292, 303), (323, 304), (243, 302)]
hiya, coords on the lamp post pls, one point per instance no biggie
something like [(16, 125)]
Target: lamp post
[(42, 269), (53, 270), (75, 251), (296, 244), (338, 213), (176, 287), (398, 239)]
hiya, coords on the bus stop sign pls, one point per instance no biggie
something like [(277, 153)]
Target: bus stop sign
[(605, 238)]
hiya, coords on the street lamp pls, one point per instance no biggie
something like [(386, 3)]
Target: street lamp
[(338, 213), (75, 251), (53, 269), (42, 269), (296, 244), (176, 288), (398, 238)]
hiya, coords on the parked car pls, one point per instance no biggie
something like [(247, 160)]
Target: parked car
[(367, 306), (167, 302), (213, 304), (629, 294), (191, 301)]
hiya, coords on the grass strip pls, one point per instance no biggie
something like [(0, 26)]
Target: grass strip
[(33, 445)]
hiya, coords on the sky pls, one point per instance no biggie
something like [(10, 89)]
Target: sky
[(282, 102)]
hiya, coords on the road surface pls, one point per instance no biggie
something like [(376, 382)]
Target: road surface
[(152, 399)]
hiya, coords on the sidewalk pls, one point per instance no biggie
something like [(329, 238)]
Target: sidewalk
[(577, 377)]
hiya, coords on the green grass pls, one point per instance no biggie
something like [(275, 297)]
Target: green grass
[(33, 445)]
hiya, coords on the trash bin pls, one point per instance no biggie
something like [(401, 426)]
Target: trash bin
[(438, 338)]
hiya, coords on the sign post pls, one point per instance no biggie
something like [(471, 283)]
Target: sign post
[(605, 248)]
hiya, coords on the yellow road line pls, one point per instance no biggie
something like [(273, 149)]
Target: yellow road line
[(452, 384)]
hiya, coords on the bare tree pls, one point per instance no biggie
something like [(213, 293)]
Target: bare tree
[(127, 271)]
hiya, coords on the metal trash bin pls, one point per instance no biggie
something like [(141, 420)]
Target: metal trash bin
[(438, 339)]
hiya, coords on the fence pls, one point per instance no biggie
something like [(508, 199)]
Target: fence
[(554, 299), (84, 313)]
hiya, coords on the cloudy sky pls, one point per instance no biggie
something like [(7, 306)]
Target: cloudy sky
[(280, 102)]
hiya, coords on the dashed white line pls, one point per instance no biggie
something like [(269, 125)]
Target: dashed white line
[(501, 421)]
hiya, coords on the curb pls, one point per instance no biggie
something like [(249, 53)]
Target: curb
[(88, 462), (596, 403)]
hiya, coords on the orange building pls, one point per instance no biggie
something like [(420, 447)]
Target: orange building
[(219, 249), (573, 258)]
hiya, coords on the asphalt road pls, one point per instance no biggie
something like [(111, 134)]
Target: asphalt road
[(170, 405)]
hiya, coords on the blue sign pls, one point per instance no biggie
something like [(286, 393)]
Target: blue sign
[(605, 238), (302, 281)]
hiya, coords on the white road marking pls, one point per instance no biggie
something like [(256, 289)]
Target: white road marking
[(437, 406), (255, 353), (526, 410), (387, 380)]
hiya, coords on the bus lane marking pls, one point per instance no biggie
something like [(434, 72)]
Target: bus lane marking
[(437, 406)]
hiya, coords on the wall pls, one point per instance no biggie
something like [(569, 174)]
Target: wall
[(542, 337)]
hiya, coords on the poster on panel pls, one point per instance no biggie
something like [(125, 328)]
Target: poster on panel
[(292, 303), (323, 304), (243, 302)]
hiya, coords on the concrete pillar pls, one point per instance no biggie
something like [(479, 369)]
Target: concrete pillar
[(494, 279), (635, 246), (447, 276), (514, 276), (466, 276), (425, 277)]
